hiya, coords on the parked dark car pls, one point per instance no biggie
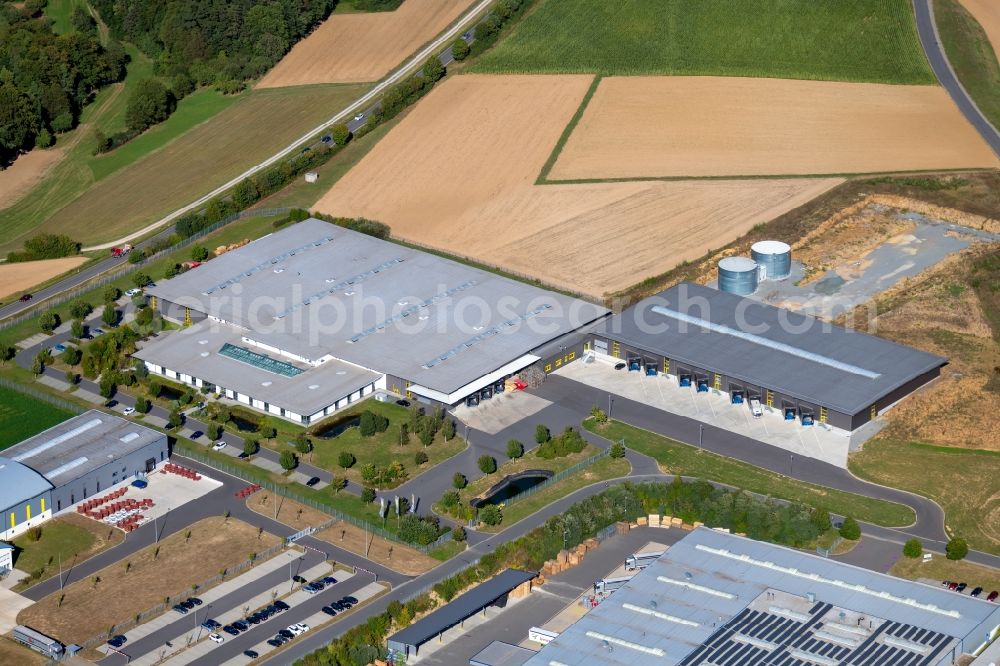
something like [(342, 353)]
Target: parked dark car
[(620, 366), (287, 635), (403, 402), (180, 609), (273, 643), (977, 591), (117, 641), (250, 654), (229, 629), (25, 298), (241, 625), (350, 599), (993, 596), (211, 625), (195, 600), (318, 584), (313, 481), (327, 139), (328, 610), (330, 580), (961, 587), (281, 605), (952, 585), (253, 619), (298, 579)]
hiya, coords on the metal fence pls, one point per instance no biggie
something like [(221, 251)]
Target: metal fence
[(126, 268), (559, 476), (41, 395), (241, 471), (139, 618)]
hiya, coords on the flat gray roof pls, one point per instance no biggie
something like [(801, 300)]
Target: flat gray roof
[(80, 445), (458, 609), (195, 351), (499, 653), (762, 345), (315, 289), (19, 483), (709, 589)]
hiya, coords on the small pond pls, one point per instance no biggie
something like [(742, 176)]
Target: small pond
[(337, 427), (170, 393), (243, 424), (511, 485)]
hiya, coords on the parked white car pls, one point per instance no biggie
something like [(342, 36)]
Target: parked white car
[(216, 638), (128, 411), (295, 629), (219, 445), (133, 292), (303, 627), (755, 408)]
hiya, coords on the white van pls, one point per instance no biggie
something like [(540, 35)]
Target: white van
[(755, 408)]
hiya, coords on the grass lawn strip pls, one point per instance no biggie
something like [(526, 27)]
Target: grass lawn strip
[(344, 535), (71, 537), (22, 416), (798, 39), (941, 569), (677, 458), (971, 55), (971, 505), (168, 569)]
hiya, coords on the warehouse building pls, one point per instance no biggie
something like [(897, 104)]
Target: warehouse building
[(314, 317), (804, 367), (718, 599), (70, 462)]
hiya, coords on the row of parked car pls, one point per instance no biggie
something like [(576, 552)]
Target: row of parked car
[(186, 605), (288, 633), (955, 586)]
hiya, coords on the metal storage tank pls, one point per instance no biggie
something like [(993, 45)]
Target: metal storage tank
[(738, 275), (774, 259)]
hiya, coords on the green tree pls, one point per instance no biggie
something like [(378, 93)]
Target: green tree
[(287, 460), (7, 352), (37, 366), (303, 444), (154, 388), (72, 356), (112, 293), (460, 50), (820, 517), (199, 253), (956, 549), (48, 321), (346, 459), (458, 534), (598, 414), (419, 458), (487, 464), (404, 434), (542, 434), (340, 134), (72, 378), (18, 121), (250, 447), (491, 515), (141, 280), (175, 420), (244, 195), (107, 385), (110, 315), (913, 548), (366, 426), (433, 69), (77, 329), (268, 432), (459, 481), (149, 103), (448, 429), (80, 309), (214, 431), (515, 449), (141, 405), (617, 450), (367, 495), (850, 530)]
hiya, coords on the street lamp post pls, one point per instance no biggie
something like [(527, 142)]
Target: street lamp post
[(701, 435), (610, 402)]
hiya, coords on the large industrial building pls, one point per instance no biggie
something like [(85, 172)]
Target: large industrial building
[(311, 318), (807, 368), (722, 600), (70, 462)]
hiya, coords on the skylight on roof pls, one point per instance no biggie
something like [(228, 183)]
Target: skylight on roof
[(55, 441)]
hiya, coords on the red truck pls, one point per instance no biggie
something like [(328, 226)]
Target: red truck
[(121, 251)]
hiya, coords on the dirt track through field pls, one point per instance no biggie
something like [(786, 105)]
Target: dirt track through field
[(18, 179), (355, 48), (22, 276), (987, 12), (458, 174), (724, 126)]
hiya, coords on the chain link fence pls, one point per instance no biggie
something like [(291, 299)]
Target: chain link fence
[(139, 618), (123, 270), (41, 395)]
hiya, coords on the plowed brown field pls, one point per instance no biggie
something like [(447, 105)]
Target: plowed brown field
[(22, 276), (355, 48), (458, 174), (987, 12), (722, 126), (17, 179)]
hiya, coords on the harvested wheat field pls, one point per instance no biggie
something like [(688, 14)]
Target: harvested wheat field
[(356, 48), (458, 173), (141, 581), (392, 555), (17, 179), (21, 276), (722, 126), (987, 13)]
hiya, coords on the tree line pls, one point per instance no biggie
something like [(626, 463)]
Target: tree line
[(46, 79)]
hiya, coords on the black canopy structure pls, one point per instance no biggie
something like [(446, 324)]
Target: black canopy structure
[(493, 591)]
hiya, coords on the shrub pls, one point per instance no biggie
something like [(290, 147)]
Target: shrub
[(80, 309), (820, 517), (48, 321), (346, 459), (148, 104), (487, 464), (515, 449), (419, 458), (141, 405), (451, 499), (112, 293), (458, 534), (367, 425), (598, 414), (287, 460), (250, 446), (850, 530), (448, 429), (617, 450), (459, 481), (340, 134), (45, 246), (214, 431), (368, 495), (35, 533), (956, 549), (913, 548), (44, 139), (418, 530), (569, 441), (542, 434), (110, 315), (491, 515)]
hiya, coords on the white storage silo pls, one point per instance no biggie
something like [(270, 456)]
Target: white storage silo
[(738, 275), (774, 259)]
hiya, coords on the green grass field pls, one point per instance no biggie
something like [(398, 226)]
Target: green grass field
[(679, 458), (210, 141), (848, 40), (971, 56), (60, 12), (965, 482), (22, 416)]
